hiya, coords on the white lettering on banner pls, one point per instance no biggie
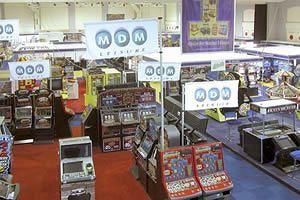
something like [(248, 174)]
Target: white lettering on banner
[(212, 94), (121, 38), (29, 70), (9, 29), (151, 71)]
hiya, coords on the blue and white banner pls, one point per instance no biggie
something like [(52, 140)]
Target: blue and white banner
[(9, 29), (37, 69), (211, 94), (121, 38), (150, 71)]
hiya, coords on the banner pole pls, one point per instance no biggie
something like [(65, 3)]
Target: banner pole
[(182, 114), (162, 142)]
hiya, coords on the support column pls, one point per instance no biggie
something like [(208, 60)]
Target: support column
[(104, 11), (72, 17), (2, 11)]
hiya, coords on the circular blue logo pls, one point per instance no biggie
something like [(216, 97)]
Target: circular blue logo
[(39, 69), (1, 29), (20, 70), (122, 38), (226, 93), (200, 95), (149, 71), (170, 71), (103, 39), (9, 29), (139, 36), (29, 69), (214, 94), (158, 71)]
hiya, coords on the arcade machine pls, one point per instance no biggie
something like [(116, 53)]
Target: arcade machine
[(94, 78), (110, 138), (129, 76), (177, 174), (6, 144), (284, 145), (44, 116), (89, 123), (77, 172), (129, 120), (112, 76), (6, 108), (210, 173), (23, 117)]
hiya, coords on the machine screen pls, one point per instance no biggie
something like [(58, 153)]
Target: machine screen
[(72, 167), (76, 151), (178, 164), (209, 159), (23, 112), (57, 84), (285, 143), (44, 111), (147, 144)]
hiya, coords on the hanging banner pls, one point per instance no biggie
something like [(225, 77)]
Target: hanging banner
[(150, 71), (121, 38), (218, 65), (211, 94), (207, 25), (9, 29), (37, 69)]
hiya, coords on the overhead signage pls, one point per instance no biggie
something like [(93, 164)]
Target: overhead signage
[(211, 94), (207, 25), (218, 65), (9, 29), (151, 71), (29, 70), (121, 38)]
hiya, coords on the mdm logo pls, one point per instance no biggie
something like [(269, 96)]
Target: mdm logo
[(213, 94)]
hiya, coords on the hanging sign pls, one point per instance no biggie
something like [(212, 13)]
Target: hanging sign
[(150, 71), (211, 94), (38, 69), (9, 29), (207, 25), (218, 65), (121, 38)]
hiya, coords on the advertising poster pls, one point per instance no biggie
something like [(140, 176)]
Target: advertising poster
[(211, 94), (207, 25)]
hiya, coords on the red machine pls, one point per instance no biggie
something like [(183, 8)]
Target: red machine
[(178, 175), (209, 166)]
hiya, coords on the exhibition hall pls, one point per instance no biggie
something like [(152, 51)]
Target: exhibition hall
[(149, 99)]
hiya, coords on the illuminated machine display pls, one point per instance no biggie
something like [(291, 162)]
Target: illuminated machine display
[(6, 108), (44, 115), (119, 115), (77, 173), (6, 144), (210, 172), (178, 177), (23, 115), (95, 78)]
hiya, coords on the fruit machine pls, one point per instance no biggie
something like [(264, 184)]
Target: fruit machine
[(130, 121), (110, 130), (129, 76), (6, 144), (89, 123), (210, 172), (6, 105), (94, 79), (284, 145), (23, 115), (77, 172), (44, 115), (176, 168), (112, 76)]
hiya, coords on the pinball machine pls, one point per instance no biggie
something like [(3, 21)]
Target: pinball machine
[(44, 116), (210, 172), (23, 116)]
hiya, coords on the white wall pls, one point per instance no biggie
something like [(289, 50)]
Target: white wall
[(23, 13), (54, 18), (127, 10), (244, 15), (87, 14)]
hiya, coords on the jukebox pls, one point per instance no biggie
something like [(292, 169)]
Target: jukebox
[(23, 115), (43, 115)]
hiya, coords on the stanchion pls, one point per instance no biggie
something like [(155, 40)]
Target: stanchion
[(182, 114), (161, 86)]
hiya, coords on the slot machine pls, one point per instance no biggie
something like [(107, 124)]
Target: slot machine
[(177, 174), (210, 172), (77, 172), (110, 131), (112, 76), (6, 143), (23, 109), (6, 108), (43, 115), (130, 121)]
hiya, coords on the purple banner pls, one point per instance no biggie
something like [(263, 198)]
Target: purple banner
[(207, 25)]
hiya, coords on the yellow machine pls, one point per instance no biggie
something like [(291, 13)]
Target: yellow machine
[(96, 77)]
